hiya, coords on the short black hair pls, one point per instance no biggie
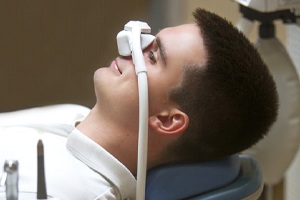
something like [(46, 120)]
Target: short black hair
[(231, 100)]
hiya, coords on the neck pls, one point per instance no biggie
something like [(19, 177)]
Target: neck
[(120, 140), (117, 140)]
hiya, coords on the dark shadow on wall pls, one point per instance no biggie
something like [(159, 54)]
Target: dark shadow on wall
[(49, 50)]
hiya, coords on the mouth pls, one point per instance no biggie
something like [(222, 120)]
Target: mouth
[(116, 67)]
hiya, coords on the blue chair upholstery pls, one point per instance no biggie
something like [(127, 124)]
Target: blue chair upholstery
[(236, 177)]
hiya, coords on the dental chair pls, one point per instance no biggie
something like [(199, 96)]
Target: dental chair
[(234, 178)]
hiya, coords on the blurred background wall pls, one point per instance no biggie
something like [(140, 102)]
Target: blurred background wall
[(49, 50)]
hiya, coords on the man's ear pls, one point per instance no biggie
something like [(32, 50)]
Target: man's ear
[(169, 122)]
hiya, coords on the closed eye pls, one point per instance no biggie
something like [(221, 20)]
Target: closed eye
[(151, 57)]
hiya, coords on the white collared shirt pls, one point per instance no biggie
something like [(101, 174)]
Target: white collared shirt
[(76, 167)]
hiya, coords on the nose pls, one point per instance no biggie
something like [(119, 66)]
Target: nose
[(124, 40), (145, 51)]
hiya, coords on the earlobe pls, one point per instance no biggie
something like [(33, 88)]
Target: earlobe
[(171, 123)]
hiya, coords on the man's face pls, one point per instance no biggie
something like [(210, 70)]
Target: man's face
[(116, 86)]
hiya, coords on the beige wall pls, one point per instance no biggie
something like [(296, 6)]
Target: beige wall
[(49, 50)]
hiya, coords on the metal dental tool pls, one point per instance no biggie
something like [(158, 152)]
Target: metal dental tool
[(10, 179), (131, 41), (41, 182)]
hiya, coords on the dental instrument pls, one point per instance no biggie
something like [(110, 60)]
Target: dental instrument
[(10, 179), (41, 182), (132, 41)]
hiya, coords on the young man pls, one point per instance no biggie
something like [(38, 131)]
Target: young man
[(210, 96)]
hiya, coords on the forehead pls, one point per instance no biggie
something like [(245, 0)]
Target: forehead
[(184, 28), (185, 42)]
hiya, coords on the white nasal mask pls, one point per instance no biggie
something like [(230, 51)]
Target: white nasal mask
[(125, 38)]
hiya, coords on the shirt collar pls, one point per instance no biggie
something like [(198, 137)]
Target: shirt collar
[(96, 157)]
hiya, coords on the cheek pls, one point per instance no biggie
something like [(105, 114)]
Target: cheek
[(160, 84), (158, 93), (126, 104)]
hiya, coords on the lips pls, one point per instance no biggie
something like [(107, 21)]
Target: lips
[(116, 67)]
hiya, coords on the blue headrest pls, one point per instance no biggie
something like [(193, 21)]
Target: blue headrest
[(181, 181)]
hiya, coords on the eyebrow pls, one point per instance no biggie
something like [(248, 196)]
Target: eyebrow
[(162, 50)]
